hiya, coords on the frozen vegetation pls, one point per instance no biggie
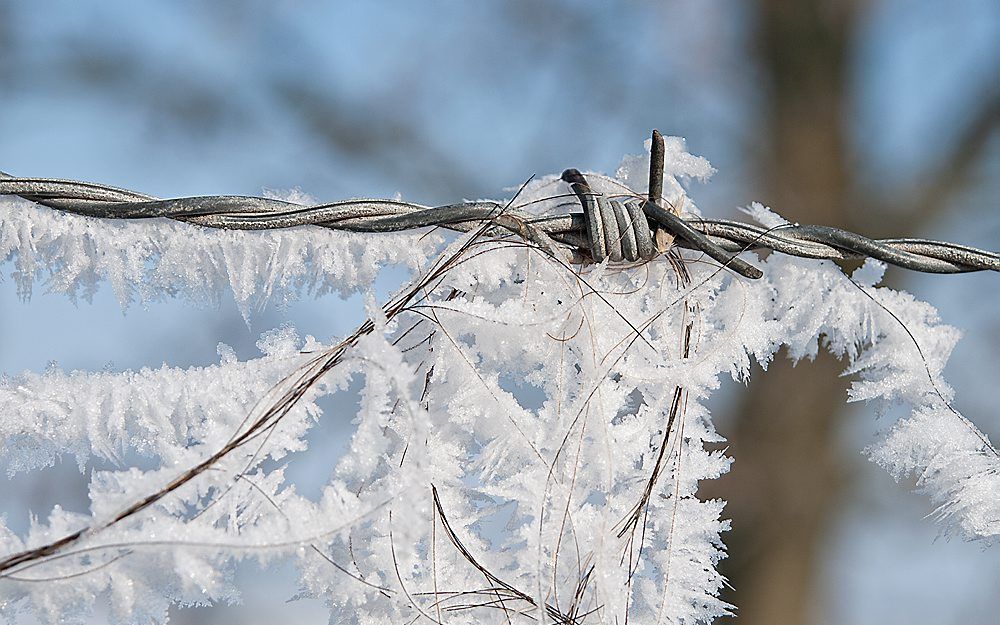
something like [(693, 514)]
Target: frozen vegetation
[(530, 436)]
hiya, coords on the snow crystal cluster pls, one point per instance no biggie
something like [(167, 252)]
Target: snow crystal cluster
[(529, 440), (158, 259)]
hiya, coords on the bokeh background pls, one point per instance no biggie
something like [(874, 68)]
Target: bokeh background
[(881, 116)]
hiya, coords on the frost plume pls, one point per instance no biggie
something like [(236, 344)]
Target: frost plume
[(528, 440)]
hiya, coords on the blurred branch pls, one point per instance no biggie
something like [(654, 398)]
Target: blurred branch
[(958, 163), (7, 33), (379, 139)]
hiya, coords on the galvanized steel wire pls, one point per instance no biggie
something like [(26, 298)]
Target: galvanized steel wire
[(608, 228)]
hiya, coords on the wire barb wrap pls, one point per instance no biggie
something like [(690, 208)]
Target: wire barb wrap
[(609, 228), (617, 230)]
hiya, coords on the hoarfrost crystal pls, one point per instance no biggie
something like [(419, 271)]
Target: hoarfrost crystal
[(529, 440)]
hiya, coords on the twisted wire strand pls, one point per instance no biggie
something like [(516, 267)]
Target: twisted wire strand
[(604, 229)]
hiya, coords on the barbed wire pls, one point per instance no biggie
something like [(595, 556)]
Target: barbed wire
[(619, 229)]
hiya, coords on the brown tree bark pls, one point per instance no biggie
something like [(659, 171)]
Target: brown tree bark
[(787, 481)]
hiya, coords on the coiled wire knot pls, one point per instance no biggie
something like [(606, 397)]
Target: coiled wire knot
[(616, 230)]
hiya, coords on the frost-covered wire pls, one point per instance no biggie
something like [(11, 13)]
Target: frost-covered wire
[(719, 238), (461, 494)]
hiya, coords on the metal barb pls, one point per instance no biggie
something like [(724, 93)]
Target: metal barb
[(720, 239), (657, 153)]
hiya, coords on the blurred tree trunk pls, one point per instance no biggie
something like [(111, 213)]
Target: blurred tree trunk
[(787, 481)]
